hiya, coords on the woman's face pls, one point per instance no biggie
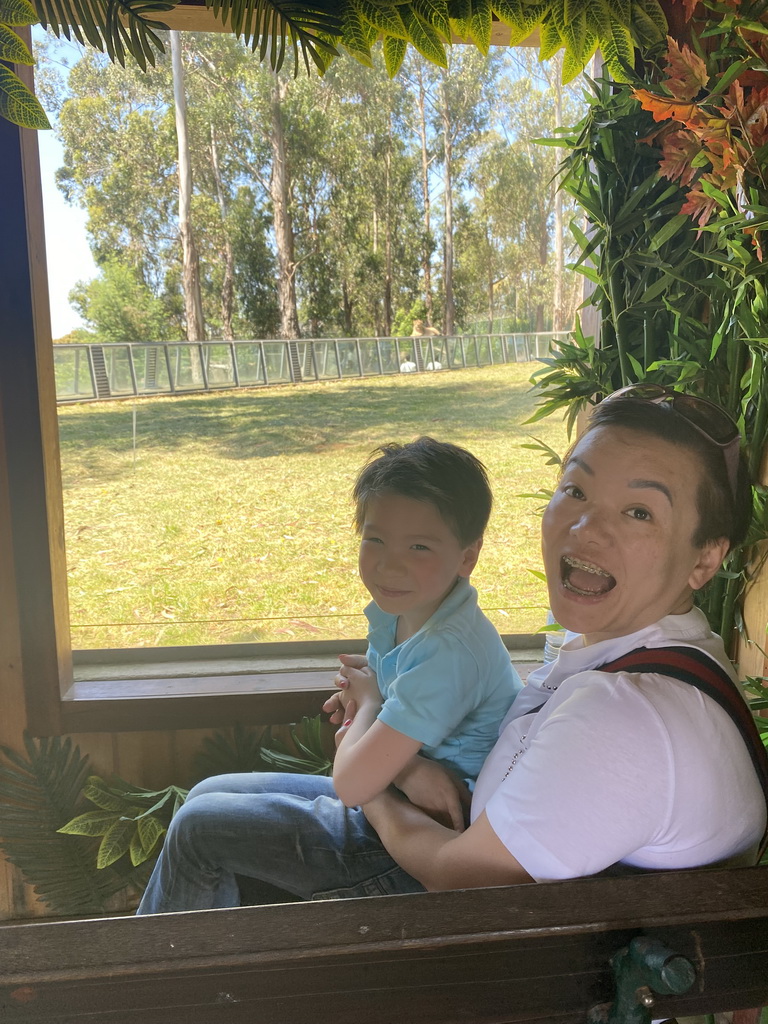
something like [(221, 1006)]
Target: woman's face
[(617, 534)]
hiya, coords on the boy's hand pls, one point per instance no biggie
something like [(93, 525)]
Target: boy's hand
[(357, 680), (437, 791)]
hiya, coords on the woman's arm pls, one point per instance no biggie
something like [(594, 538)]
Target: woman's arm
[(438, 857)]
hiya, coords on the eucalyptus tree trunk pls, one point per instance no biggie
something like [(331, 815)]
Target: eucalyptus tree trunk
[(280, 193), (426, 252), (558, 299), (193, 303), (448, 304), (388, 233), (228, 282)]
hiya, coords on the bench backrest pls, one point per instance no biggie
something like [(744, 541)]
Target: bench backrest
[(519, 953)]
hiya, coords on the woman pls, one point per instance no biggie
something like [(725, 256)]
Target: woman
[(631, 768)]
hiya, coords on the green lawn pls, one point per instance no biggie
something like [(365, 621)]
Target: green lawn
[(232, 520)]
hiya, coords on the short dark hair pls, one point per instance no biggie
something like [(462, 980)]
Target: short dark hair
[(446, 476), (722, 513)]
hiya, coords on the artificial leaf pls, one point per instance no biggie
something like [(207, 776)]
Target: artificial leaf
[(424, 38), (38, 793), (394, 54), (92, 823), (461, 18), (698, 206), (663, 108), (550, 40), (686, 71), (679, 150), (573, 8), (435, 14), (573, 65), (385, 17), (17, 13), (649, 20), (355, 38), (18, 104), (480, 25), (618, 51), (97, 791), (522, 18), (12, 48), (620, 10), (116, 842)]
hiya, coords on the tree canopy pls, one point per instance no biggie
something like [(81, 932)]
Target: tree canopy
[(366, 158)]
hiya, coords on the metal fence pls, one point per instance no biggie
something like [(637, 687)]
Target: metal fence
[(102, 372)]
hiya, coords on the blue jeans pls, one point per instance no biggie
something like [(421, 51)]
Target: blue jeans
[(288, 831)]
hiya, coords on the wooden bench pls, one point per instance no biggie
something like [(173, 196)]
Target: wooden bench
[(522, 953)]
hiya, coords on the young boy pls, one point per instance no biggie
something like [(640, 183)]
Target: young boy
[(445, 680)]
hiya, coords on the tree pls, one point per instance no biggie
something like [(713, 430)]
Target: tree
[(190, 277), (118, 307)]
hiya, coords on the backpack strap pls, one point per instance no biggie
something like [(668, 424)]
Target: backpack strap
[(693, 666)]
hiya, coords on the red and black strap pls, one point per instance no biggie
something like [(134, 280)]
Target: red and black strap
[(693, 666)]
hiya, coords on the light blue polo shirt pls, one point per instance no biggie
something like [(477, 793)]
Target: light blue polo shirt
[(449, 685)]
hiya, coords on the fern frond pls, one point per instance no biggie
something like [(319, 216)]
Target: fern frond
[(40, 793)]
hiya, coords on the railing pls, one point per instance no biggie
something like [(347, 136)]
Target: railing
[(121, 370)]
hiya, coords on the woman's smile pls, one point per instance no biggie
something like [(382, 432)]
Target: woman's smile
[(617, 536)]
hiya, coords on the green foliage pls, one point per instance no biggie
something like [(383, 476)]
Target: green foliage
[(17, 102), (40, 790), (129, 820), (306, 751), (678, 307), (233, 750), (315, 32), (118, 306)]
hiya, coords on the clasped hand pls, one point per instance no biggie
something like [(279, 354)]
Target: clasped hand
[(356, 683)]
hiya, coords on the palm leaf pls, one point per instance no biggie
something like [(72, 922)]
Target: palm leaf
[(260, 21), (233, 750), (39, 792), (309, 754), (117, 27)]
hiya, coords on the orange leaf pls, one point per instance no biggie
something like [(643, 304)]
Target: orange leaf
[(686, 71), (678, 150), (663, 108), (698, 206)]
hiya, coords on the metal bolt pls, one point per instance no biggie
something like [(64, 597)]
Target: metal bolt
[(645, 997)]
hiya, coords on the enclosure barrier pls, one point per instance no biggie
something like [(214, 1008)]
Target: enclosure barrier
[(121, 370)]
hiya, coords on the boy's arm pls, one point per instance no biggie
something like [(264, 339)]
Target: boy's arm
[(370, 754)]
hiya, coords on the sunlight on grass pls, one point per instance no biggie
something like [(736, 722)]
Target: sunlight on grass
[(232, 520)]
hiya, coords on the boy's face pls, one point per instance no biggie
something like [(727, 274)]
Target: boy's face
[(410, 558), (617, 536)]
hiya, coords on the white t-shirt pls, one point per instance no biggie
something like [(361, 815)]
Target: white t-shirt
[(638, 768)]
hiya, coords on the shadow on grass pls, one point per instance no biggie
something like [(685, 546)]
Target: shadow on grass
[(296, 420)]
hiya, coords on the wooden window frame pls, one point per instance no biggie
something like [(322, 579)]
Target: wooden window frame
[(240, 683)]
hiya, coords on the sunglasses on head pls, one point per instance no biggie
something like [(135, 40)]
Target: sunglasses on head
[(707, 418)]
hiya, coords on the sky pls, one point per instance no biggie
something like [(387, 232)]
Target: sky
[(69, 258)]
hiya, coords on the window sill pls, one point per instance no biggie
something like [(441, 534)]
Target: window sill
[(211, 687)]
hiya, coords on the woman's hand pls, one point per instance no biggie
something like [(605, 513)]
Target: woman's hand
[(357, 679), (337, 704), (437, 791)]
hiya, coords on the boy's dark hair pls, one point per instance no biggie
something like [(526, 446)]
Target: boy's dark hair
[(721, 512), (448, 477)]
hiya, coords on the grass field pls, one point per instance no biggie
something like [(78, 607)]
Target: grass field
[(230, 521)]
